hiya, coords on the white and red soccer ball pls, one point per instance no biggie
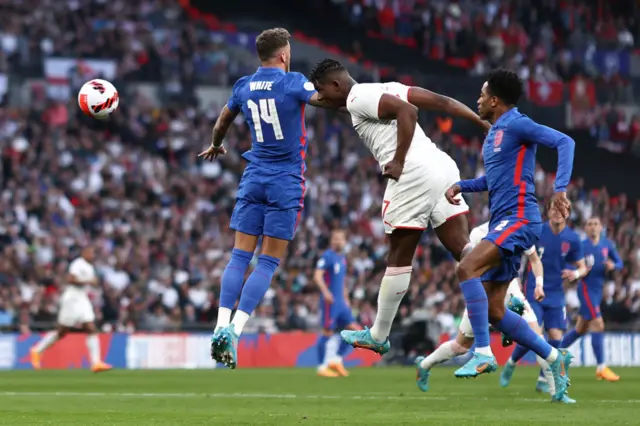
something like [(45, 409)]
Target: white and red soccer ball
[(98, 99)]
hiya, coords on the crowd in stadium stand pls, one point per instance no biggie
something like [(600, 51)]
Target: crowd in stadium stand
[(159, 217), (533, 34)]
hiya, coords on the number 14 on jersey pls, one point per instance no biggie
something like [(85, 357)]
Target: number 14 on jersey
[(265, 110)]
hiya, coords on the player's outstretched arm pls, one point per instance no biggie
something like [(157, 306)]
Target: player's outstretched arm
[(538, 272), (426, 99), (470, 185), (220, 130), (530, 131)]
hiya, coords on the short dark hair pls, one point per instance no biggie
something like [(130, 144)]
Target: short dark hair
[(323, 68), (505, 85), (270, 41)]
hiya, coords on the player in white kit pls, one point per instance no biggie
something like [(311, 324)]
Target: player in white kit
[(464, 340), (76, 311), (385, 117)]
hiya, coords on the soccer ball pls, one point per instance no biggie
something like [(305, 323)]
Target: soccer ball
[(98, 99)]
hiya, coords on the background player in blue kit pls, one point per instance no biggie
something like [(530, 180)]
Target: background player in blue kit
[(601, 258), (509, 153), (329, 276), (559, 247), (271, 192)]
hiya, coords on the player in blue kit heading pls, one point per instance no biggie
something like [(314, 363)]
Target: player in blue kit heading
[(601, 258), (509, 153), (270, 197), (330, 274), (560, 250)]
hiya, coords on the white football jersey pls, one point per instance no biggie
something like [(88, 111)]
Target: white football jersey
[(83, 271), (380, 136)]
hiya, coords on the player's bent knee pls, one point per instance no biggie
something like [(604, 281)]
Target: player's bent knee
[(496, 312), (465, 271)]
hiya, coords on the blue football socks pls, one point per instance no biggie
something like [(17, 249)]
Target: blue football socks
[(322, 348), (514, 326), (478, 308), (258, 283), (518, 353), (569, 339), (233, 277), (597, 344)]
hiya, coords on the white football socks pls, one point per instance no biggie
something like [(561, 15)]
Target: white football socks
[(49, 339), (239, 321), (224, 317), (444, 352), (331, 350), (93, 345), (392, 289), (548, 375), (553, 355)]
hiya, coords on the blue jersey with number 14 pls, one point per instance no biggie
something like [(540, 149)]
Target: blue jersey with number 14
[(272, 102), (270, 197)]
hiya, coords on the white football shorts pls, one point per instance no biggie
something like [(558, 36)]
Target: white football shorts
[(417, 198), (75, 308)]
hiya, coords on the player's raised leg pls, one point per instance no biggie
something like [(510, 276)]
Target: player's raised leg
[(246, 215), (254, 289), (48, 340), (395, 283)]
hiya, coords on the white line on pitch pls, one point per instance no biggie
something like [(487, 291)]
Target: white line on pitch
[(277, 396)]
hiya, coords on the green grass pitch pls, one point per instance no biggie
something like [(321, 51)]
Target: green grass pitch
[(375, 396)]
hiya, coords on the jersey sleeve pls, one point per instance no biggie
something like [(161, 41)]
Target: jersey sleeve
[(363, 101), (527, 129), (235, 103), (614, 256), (299, 87), (75, 268), (324, 262), (398, 89), (576, 253)]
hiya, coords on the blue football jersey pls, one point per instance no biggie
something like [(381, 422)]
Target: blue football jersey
[(334, 266), (273, 102), (509, 153), (596, 255), (557, 252)]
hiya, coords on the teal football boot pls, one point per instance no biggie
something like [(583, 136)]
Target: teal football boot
[(477, 365), (507, 373), (224, 346), (422, 375), (362, 339), (560, 370)]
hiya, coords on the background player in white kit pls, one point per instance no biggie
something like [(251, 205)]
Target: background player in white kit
[(385, 117), (76, 311), (464, 340)]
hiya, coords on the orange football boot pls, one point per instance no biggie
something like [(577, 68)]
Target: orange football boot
[(327, 372), (100, 367), (338, 367), (35, 359), (607, 374)]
